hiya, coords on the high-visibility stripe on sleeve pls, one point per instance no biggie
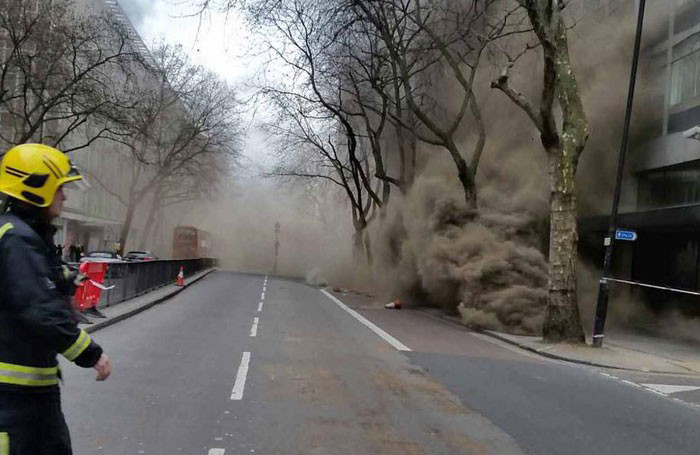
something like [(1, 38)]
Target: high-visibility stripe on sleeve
[(78, 347), (4, 444), (5, 227)]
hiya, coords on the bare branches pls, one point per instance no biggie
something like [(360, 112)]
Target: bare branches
[(519, 99), (59, 70)]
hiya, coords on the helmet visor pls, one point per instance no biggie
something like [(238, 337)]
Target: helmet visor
[(74, 180)]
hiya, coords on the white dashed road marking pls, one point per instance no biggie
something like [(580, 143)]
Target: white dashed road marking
[(239, 386), (260, 305), (217, 451), (254, 329)]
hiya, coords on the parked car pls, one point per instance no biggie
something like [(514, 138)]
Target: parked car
[(136, 256), (102, 256)]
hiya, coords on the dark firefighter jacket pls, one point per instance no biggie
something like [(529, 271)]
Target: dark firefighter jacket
[(36, 318)]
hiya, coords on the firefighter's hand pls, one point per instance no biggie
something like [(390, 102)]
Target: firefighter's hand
[(103, 367)]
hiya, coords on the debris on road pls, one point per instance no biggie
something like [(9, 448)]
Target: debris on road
[(395, 305)]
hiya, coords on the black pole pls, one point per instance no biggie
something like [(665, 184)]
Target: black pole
[(604, 288), (277, 247)]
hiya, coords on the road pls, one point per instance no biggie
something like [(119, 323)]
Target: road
[(240, 364)]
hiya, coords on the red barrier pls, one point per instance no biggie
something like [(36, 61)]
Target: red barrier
[(88, 295)]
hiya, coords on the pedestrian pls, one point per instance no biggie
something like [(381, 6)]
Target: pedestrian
[(36, 319)]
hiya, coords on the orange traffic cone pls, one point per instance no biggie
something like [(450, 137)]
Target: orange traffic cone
[(395, 305), (180, 278)]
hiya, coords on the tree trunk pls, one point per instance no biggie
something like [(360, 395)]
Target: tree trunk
[(143, 245), (126, 227), (358, 250), (386, 194), (562, 319), (368, 249), (411, 173), (466, 178)]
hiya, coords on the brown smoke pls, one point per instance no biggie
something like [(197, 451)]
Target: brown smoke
[(491, 270)]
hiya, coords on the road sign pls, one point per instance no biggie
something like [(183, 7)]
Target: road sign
[(622, 234)]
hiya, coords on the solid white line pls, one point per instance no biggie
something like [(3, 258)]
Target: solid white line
[(260, 305), (669, 389), (254, 329), (239, 386), (633, 384), (217, 451), (388, 338)]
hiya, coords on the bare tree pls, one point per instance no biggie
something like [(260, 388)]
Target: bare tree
[(564, 138), (185, 121), (420, 37), (311, 146), (61, 72), (199, 180)]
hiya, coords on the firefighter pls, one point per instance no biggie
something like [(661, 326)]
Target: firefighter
[(36, 317)]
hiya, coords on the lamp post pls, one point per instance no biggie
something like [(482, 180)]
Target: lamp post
[(604, 288), (277, 247)]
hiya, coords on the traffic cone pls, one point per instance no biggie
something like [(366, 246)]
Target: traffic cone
[(180, 278), (395, 305)]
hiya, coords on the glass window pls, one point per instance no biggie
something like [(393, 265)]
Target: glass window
[(669, 188), (684, 79), (682, 187)]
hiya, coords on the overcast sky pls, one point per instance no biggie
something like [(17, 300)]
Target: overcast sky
[(218, 41)]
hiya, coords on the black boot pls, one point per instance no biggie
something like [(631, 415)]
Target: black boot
[(82, 319), (95, 312)]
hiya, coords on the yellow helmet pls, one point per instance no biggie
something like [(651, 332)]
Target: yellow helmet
[(33, 173)]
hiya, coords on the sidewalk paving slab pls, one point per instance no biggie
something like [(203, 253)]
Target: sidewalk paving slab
[(642, 354), (134, 306), (610, 356)]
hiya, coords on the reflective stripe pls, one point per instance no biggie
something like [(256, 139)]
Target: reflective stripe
[(29, 370), (27, 382), (78, 347), (4, 444), (5, 227), (28, 376)]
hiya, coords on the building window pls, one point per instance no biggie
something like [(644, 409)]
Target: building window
[(670, 187), (685, 78), (687, 15)]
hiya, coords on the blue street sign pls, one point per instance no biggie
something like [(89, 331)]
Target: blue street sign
[(622, 234)]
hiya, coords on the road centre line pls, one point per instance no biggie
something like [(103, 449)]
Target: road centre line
[(239, 386), (254, 329), (370, 325), (217, 451), (262, 297), (260, 305)]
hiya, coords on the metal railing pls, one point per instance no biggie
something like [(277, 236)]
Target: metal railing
[(131, 279)]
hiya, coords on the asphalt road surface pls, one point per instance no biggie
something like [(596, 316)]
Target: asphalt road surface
[(241, 364)]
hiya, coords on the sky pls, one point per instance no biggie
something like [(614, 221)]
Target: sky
[(218, 41)]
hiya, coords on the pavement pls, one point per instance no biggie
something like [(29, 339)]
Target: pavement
[(624, 349), (124, 310), (240, 364)]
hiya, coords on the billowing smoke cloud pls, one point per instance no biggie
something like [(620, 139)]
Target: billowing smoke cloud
[(490, 270)]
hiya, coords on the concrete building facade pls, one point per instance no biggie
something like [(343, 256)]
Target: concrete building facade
[(661, 190)]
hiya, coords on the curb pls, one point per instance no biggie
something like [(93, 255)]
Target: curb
[(549, 355), (108, 322)]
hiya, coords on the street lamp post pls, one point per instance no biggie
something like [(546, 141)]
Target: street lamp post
[(604, 287), (277, 247)]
